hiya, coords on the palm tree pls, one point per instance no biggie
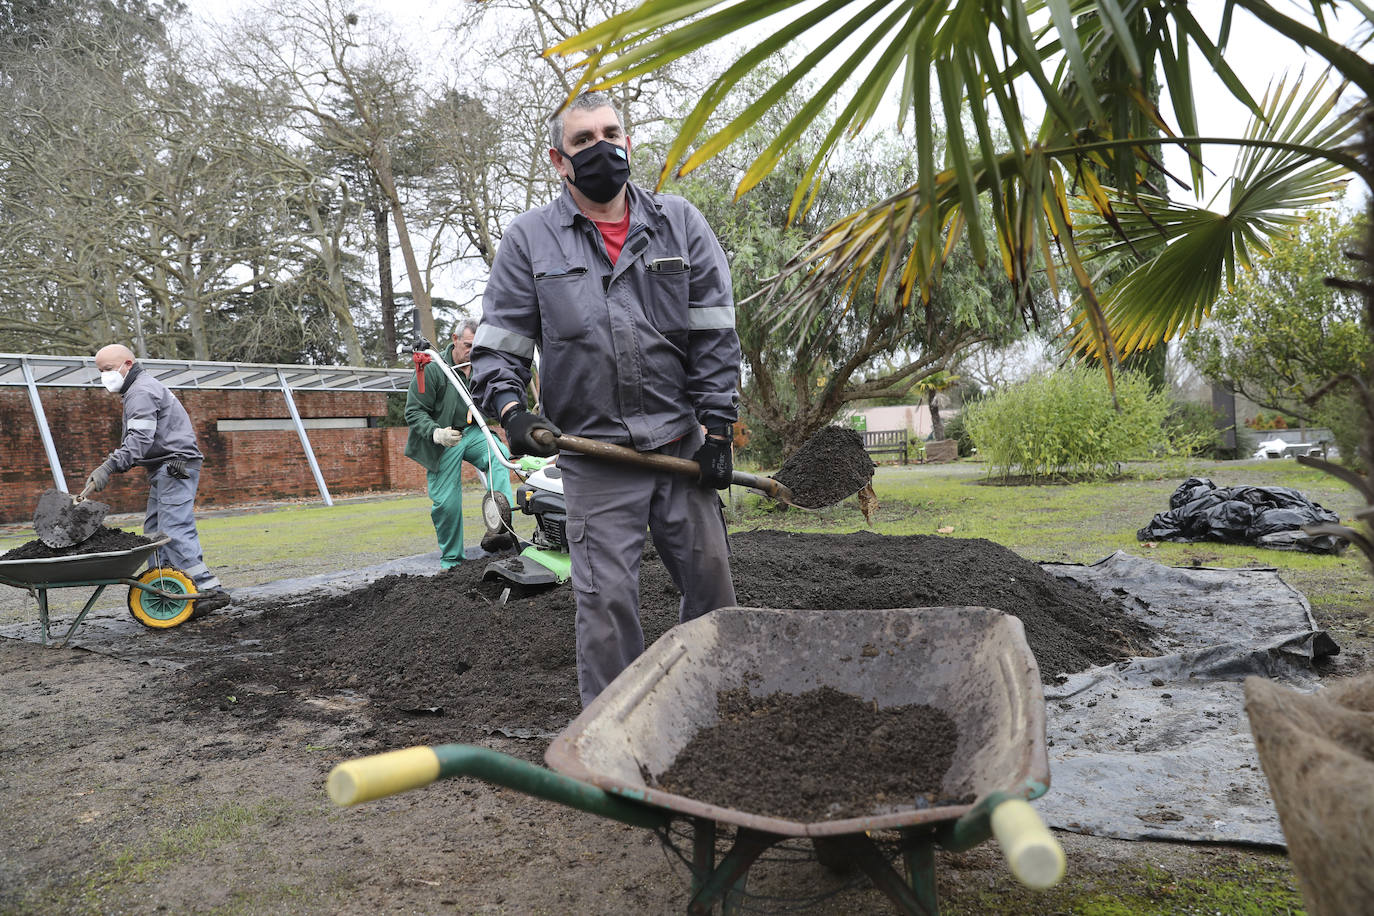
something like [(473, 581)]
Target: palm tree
[(1091, 63), (965, 65)]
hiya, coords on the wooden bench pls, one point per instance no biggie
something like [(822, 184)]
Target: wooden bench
[(886, 442)]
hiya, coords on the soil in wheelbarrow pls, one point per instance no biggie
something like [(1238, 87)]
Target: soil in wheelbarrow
[(821, 755), (414, 659), (105, 540), (828, 467)]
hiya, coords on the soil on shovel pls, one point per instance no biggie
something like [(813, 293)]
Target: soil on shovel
[(780, 755), (828, 467), (60, 519), (416, 659), (105, 540)]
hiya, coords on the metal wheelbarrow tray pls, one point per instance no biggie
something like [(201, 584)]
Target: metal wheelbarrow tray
[(972, 663), (159, 598), (61, 571)]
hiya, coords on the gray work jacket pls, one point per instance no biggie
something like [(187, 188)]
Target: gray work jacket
[(635, 354), (156, 426)]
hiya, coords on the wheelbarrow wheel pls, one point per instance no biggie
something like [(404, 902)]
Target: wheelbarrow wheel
[(154, 610)]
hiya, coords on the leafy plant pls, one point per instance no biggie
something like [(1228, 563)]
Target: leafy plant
[(1066, 424), (1190, 430), (957, 429), (1264, 420)]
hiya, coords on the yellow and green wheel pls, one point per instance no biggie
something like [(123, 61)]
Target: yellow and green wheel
[(156, 611)]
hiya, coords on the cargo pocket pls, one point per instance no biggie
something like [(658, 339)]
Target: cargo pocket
[(583, 573)]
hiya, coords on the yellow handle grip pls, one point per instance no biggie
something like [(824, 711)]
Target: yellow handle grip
[(1033, 854), (366, 778)]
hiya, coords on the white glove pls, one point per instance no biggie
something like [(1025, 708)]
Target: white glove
[(447, 436)]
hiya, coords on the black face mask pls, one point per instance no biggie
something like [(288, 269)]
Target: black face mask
[(600, 170)]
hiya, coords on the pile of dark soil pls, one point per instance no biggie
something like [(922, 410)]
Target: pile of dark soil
[(105, 540), (439, 658), (779, 756), (828, 467)]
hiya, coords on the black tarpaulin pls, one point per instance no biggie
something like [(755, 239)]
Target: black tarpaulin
[(1199, 510)]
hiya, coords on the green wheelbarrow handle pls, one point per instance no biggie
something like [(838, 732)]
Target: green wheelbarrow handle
[(368, 778)]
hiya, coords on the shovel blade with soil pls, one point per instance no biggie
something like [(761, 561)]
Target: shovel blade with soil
[(828, 467), (62, 520)]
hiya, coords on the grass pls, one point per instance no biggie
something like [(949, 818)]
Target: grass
[(1075, 523), (176, 847), (1085, 522), (1257, 886)]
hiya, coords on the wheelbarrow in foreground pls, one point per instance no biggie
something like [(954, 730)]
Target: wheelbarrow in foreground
[(160, 597), (972, 663)]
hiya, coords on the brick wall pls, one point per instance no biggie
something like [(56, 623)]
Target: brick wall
[(240, 467)]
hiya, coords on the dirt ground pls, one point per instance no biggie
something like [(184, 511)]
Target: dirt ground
[(133, 788)]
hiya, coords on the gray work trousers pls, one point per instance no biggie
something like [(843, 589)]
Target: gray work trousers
[(609, 507), (172, 510)]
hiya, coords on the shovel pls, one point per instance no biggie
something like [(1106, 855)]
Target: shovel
[(768, 486), (62, 520)]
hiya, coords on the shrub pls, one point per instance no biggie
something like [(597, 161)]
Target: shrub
[(957, 429), (1266, 421), (1190, 431), (1341, 413), (1065, 424)]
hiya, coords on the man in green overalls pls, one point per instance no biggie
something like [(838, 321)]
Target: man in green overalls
[(444, 434)]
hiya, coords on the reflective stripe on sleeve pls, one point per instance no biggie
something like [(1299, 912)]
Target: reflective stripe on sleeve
[(708, 319), (493, 338), (142, 424)]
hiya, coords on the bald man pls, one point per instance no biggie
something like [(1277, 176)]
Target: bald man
[(158, 436)]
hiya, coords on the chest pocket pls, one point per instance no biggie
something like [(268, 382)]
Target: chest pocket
[(668, 295), (564, 298)]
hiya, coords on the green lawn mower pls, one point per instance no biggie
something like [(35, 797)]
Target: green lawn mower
[(546, 561)]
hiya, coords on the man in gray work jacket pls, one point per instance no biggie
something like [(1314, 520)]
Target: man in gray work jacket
[(627, 295), (158, 436)]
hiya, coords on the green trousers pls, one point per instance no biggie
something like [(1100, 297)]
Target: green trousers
[(446, 491)]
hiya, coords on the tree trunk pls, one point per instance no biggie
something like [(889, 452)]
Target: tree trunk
[(190, 296), (338, 295), (381, 165), (385, 288), (937, 425)]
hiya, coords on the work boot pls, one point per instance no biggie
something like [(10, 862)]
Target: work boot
[(212, 600), (495, 542)]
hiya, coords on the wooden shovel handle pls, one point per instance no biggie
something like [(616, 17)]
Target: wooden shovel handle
[(659, 462)]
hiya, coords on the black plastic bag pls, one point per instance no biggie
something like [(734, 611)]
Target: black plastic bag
[(1262, 516)]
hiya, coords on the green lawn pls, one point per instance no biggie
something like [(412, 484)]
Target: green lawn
[(1079, 523), (1084, 522)]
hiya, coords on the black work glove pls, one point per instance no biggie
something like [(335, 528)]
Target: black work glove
[(100, 477), (520, 424), (715, 460)]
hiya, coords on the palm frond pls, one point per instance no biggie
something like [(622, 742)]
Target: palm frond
[(1190, 251)]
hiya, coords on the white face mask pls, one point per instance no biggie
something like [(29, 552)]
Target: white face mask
[(112, 380)]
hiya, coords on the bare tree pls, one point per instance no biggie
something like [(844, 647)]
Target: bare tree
[(483, 146), (347, 81)]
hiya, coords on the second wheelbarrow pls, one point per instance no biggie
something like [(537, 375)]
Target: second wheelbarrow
[(971, 663), (159, 598)]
